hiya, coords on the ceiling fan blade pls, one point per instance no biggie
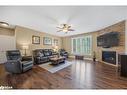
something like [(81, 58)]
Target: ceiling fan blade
[(69, 26), (59, 27), (71, 30), (59, 30)]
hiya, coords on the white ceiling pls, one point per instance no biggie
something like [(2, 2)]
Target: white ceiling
[(46, 18)]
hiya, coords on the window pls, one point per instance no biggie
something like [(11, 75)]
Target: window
[(82, 45)]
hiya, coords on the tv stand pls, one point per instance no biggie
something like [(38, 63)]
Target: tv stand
[(122, 63)]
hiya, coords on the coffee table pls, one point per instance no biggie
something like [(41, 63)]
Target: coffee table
[(57, 60)]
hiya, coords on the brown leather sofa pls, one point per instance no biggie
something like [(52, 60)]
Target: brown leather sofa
[(43, 55)]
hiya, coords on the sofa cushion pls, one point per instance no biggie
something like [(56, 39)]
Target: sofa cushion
[(41, 55), (46, 53), (13, 55)]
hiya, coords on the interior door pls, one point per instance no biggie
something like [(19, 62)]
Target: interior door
[(6, 43)]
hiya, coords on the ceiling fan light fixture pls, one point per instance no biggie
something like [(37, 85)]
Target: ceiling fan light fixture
[(65, 30)]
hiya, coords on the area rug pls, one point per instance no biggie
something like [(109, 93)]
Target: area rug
[(55, 68)]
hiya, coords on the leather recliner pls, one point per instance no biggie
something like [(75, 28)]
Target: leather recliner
[(15, 63), (63, 53)]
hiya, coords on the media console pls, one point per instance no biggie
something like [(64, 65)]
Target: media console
[(122, 61)]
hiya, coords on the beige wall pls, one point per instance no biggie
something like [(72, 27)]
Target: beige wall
[(24, 36), (118, 27), (66, 43), (7, 31)]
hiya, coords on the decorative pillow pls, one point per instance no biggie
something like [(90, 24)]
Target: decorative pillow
[(41, 54), (38, 53), (46, 53)]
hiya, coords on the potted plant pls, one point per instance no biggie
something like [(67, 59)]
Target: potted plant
[(94, 56)]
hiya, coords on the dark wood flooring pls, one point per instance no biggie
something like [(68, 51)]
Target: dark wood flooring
[(80, 75)]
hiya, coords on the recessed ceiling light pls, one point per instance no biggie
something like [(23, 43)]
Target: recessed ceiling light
[(4, 24)]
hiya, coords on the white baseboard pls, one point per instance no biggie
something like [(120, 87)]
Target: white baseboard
[(109, 64)]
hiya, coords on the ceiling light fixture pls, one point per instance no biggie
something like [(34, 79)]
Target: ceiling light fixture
[(4, 24), (65, 28)]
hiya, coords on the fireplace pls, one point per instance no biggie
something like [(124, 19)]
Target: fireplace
[(109, 56)]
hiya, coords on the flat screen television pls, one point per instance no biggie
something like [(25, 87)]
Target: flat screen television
[(108, 40)]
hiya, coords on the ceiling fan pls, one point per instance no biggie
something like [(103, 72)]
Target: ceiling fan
[(65, 28)]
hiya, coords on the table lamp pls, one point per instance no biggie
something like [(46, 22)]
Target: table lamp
[(55, 48), (25, 47)]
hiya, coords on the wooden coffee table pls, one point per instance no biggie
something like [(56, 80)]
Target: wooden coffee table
[(57, 60)]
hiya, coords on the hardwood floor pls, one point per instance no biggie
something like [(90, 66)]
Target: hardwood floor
[(80, 75)]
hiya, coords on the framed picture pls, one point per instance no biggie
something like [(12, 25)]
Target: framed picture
[(47, 41), (35, 40)]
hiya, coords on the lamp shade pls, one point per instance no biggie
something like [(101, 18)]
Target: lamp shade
[(25, 47), (56, 47)]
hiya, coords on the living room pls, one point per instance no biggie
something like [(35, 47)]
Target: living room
[(46, 50)]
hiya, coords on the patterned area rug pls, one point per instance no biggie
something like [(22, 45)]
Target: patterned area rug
[(55, 68)]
